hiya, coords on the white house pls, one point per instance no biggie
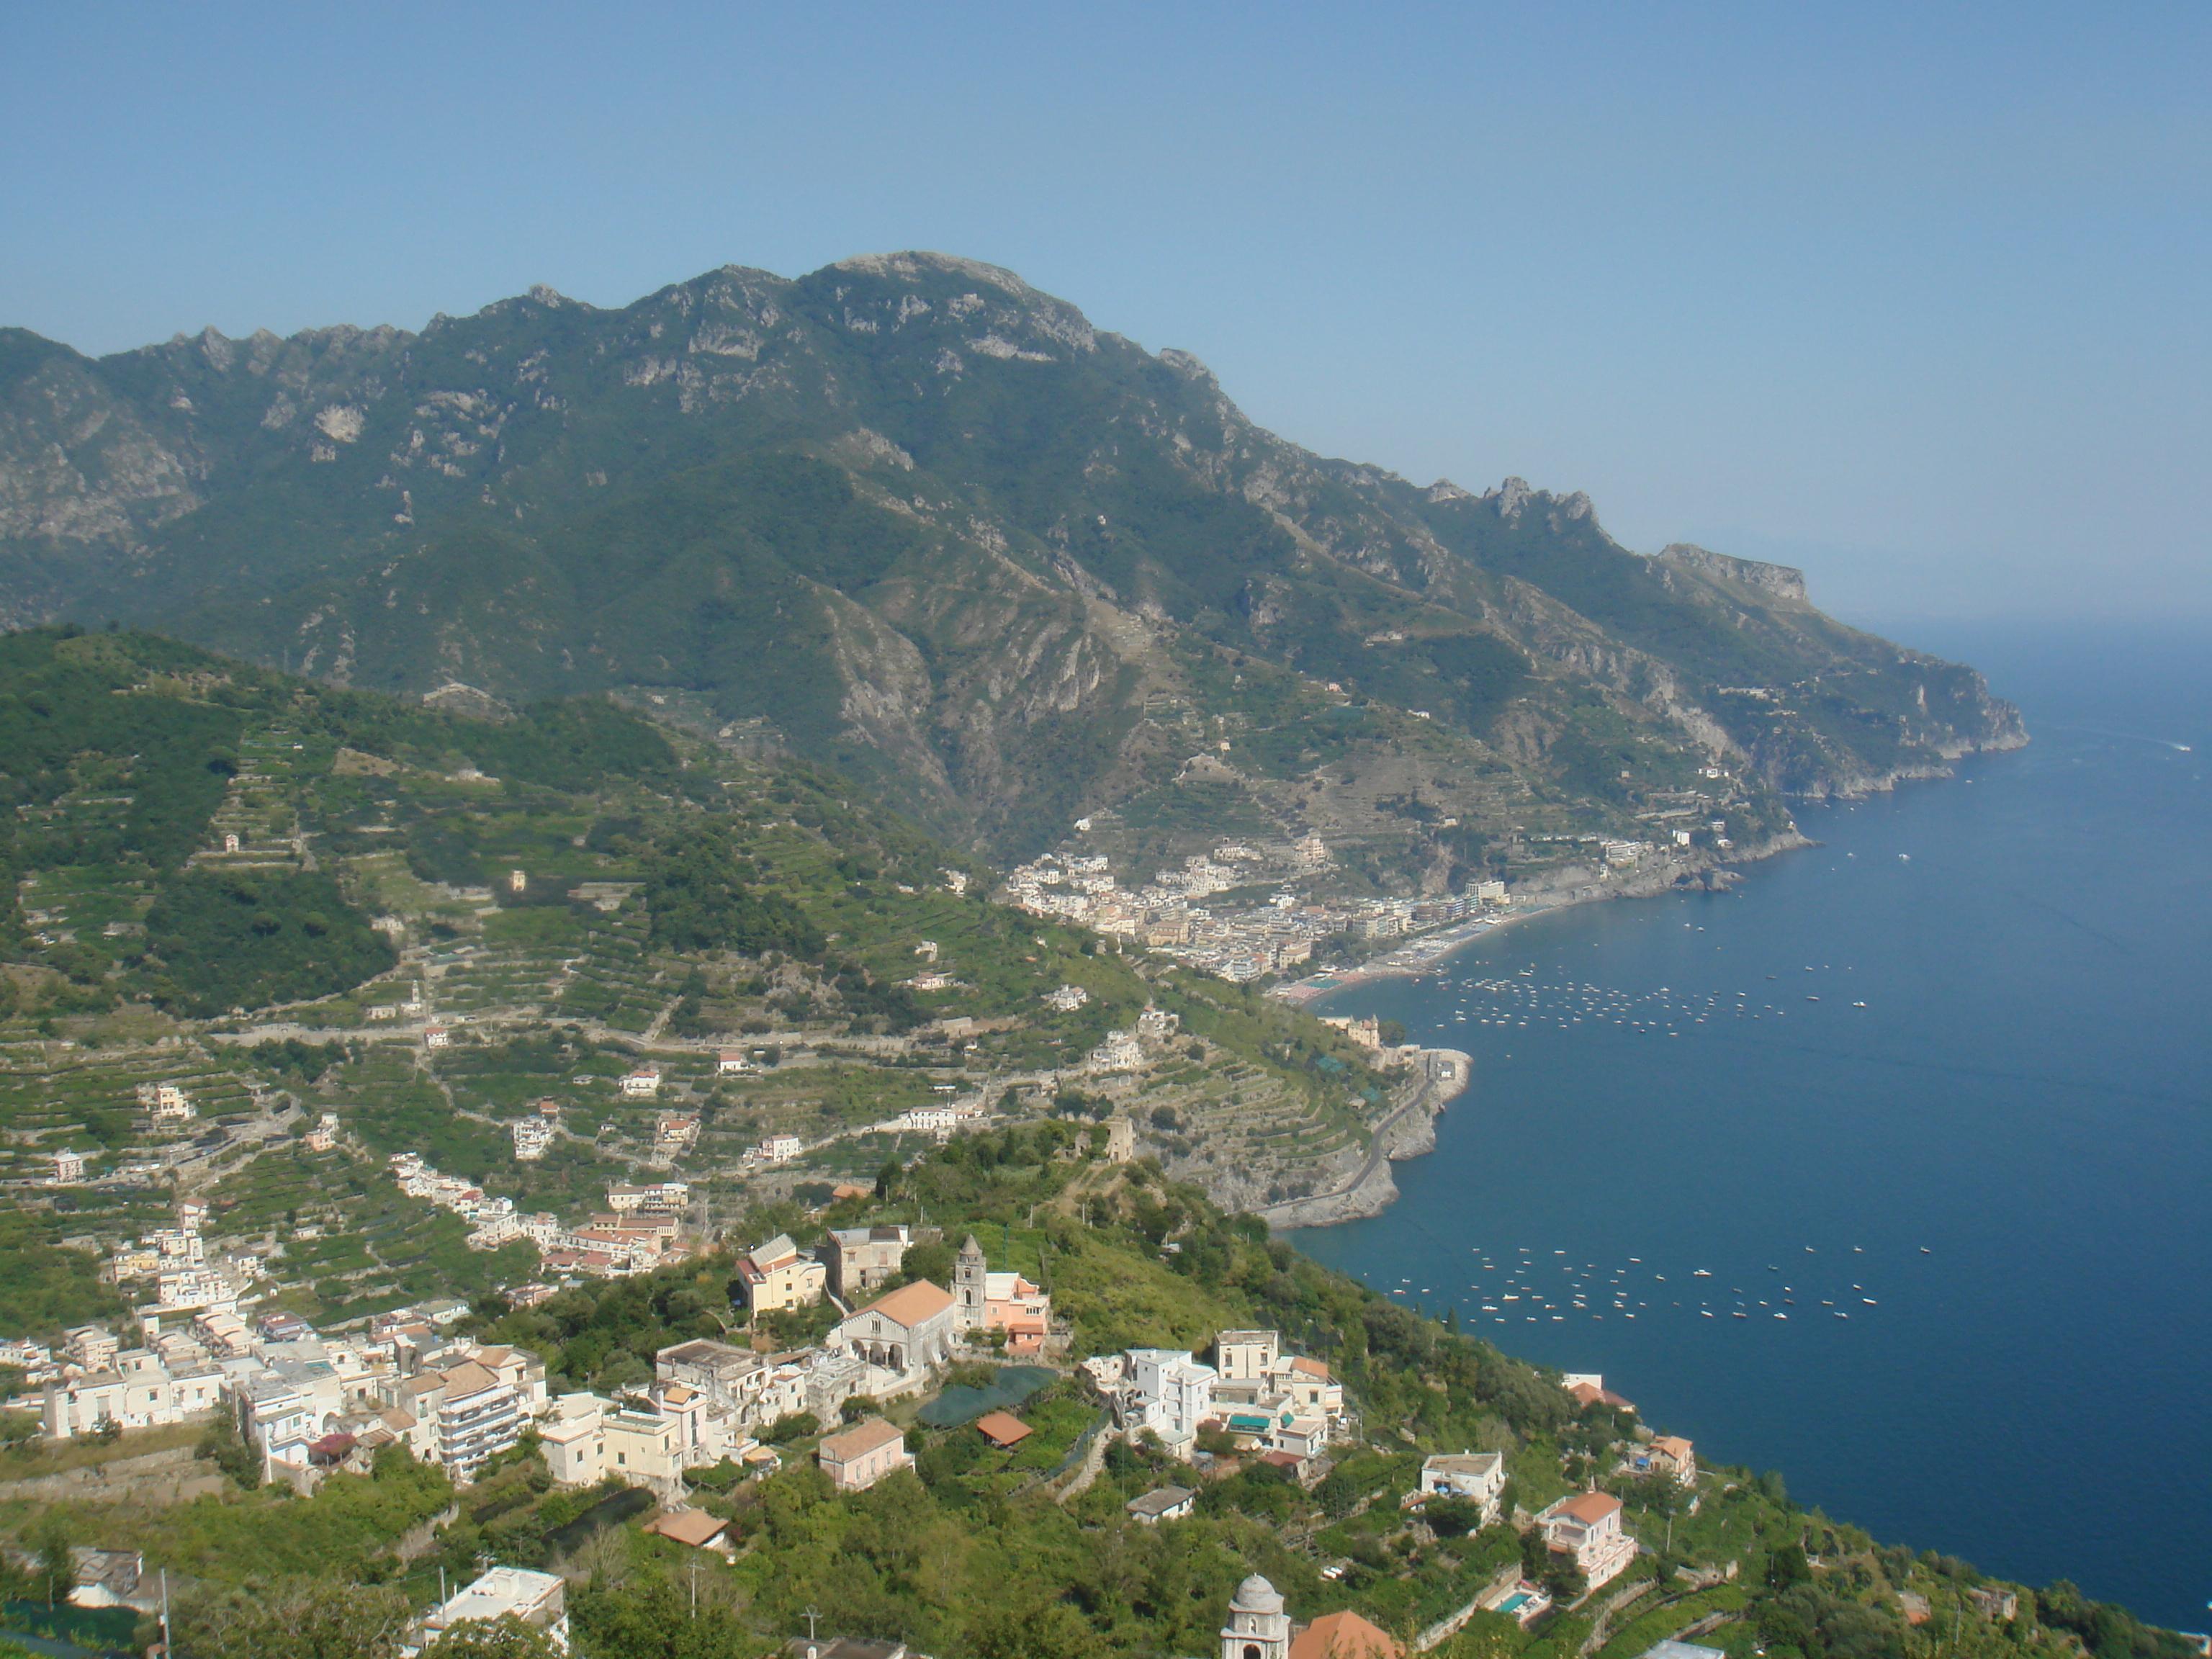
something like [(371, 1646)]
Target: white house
[(68, 1168), (1477, 1477), (1170, 1394), (1586, 1527), (641, 1084), (537, 1599), (1161, 1504)]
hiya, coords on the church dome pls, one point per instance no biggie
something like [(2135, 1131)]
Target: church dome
[(1256, 1594)]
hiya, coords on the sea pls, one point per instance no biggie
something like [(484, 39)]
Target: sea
[(1890, 1170)]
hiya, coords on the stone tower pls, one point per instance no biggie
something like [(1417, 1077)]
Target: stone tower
[(1258, 1628), (968, 1287)]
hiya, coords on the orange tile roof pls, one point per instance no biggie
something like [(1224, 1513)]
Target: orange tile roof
[(1002, 1428), (910, 1304), (694, 1526), (861, 1440), (1591, 1507), (1310, 1368), (1344, 1636)]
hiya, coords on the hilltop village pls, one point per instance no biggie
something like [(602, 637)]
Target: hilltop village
[(1069, 1372)]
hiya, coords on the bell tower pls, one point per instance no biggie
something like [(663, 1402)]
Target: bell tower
[(968, 1287), (1258, 1628)]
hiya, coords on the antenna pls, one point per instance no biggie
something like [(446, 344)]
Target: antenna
[(811, 1615)]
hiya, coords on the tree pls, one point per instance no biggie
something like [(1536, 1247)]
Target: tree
[(295, 1618), (1452, 1517), (1786, 1566), (50, 1541)]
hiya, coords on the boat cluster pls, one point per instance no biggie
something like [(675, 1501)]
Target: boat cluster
[(1530, 1286), (1521, 1001)]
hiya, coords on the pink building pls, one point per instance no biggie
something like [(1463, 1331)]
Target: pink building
[(857, 1459)]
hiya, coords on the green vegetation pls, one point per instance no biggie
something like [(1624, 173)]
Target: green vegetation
[(999, 579), (982, 1553), (219, 939), (44, 1286)]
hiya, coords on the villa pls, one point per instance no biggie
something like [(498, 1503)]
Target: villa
[(1586, 1527)]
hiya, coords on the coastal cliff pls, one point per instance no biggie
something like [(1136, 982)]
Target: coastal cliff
[(1440, 1076)]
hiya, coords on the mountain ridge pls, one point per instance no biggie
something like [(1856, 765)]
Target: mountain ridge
[(913, 516)]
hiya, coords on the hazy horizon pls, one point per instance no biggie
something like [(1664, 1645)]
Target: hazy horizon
[(1912, 303)]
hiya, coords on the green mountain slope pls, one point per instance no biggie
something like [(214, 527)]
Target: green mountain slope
[(912, 515), (270, 893)]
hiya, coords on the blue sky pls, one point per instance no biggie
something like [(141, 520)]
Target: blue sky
[(1913, 295)]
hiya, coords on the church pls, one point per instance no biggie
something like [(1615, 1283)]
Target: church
[(1259, 1627)]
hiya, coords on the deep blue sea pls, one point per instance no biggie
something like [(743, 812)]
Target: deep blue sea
[(1930, 1104)]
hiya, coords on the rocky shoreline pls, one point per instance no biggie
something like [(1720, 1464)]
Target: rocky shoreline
[(1408, 1132)]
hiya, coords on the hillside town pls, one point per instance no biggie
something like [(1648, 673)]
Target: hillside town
[(311, 1404), (1263, 919)]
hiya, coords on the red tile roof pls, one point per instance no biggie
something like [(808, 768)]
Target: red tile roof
[(911, 1304), (1002, 1428), (694, 1526), (1590, 1508), (1344, 1636)]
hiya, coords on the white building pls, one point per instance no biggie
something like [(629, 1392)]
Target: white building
[(641, 1084), (780, 1149), (1477, 1477), (537, 1599), (928, 1120), (68, 1168), (904, 1333), (1586, 1527), (1120, 1051), (133, 1390), (659, 1197), (1170, 1394)]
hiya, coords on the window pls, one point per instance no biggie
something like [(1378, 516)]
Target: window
[(1251, 1650)]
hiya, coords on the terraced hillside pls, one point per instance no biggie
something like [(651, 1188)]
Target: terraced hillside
[(262, 935)]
